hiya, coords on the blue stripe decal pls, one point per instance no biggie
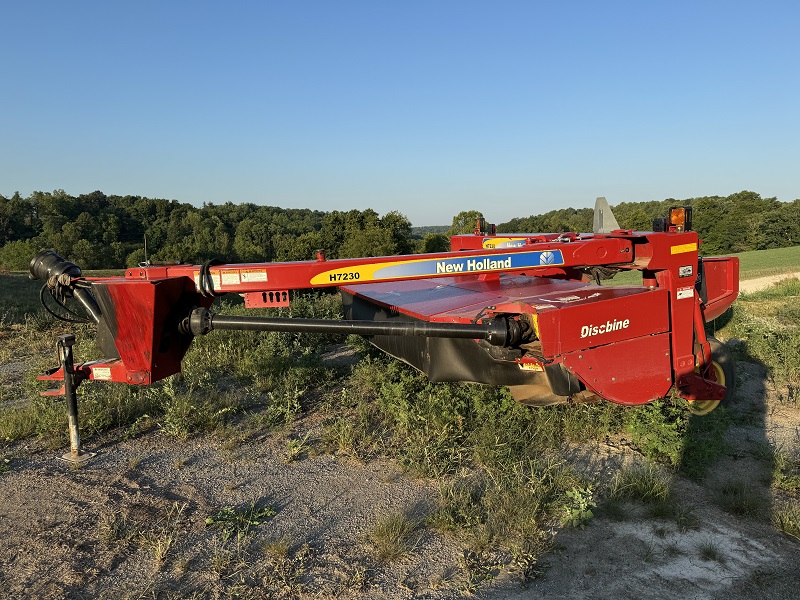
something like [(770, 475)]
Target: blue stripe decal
[(473, 264)]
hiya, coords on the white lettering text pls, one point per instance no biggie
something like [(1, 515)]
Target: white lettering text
[(607, 327)]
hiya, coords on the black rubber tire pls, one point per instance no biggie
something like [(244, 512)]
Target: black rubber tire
[(725, 372)]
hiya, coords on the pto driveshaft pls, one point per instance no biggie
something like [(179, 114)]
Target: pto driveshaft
[(498, 331)]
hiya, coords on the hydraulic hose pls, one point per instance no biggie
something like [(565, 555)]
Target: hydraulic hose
[(51, 268)]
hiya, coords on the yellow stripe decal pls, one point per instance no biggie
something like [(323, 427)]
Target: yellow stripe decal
[(684, 248), (431, 267)]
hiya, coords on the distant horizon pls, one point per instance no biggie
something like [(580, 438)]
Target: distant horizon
[(486, 214)]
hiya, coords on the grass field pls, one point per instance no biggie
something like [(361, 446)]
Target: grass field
[(19, 297), (502, 484), (761, 263)]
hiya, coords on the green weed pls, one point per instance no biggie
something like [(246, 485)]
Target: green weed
[(346, 435), (658, 430), (479, 567), (667, 433), (156, 533), (113, 528), (158, 544), (578, 508), (685, 515), (297, 447), (525, 556), (199, 406), (460, 504), (284, 569), (239, 521)]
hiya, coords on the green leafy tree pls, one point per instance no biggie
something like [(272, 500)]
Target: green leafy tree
[(86, 255), (398, 228), (464, 222), (16, 255), (434, 242), (252, 241)]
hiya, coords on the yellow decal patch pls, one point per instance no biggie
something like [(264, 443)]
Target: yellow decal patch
[(502, 242), (684, 248), (530, 366), (349, 274)]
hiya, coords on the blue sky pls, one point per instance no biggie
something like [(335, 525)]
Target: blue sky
[(429, 108)]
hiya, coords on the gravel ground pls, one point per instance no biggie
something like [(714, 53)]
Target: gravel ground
[(132, 522)]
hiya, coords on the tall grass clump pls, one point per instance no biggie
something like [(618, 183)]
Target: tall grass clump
[(391, 536), (100, 407), (739, 497), (645, 483), (786, 518)]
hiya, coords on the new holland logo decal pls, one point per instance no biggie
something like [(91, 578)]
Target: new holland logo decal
[(431, 267)]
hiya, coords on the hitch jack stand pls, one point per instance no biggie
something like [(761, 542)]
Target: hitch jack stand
[(76, 455)]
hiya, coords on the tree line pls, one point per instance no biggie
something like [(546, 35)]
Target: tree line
[(99, 231), (727, 224)]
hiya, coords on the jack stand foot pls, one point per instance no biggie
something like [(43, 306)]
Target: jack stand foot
[(77, 459)]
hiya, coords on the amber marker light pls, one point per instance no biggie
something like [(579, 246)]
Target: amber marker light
[(681, 218)]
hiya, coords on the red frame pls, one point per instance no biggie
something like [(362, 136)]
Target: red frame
[(665, 332)]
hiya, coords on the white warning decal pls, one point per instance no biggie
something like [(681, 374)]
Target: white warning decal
[(102, 373), (254, 275), (684, 293), (230, 277)]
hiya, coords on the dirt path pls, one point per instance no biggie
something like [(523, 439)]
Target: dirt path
[(749, 286)]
